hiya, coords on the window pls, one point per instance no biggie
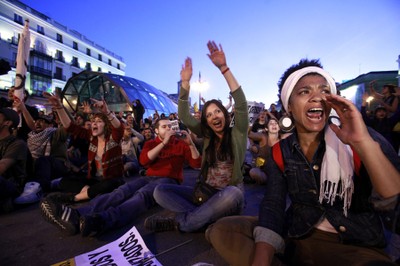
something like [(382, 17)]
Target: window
[(40, 29), (99, 69), (59, 38), (75, 61), (118, 66), (100, 57), (88, 66), (39, 84), (18, 19), (59, 56), (88, 52), (59, 74), (109, 62), (75, 45)]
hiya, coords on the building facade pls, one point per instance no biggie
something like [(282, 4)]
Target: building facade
[(57, 52)]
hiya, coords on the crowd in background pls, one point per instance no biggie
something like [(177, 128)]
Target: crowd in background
[(121, 161)]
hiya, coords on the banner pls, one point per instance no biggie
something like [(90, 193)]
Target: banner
[(254, 108), (129, 249)]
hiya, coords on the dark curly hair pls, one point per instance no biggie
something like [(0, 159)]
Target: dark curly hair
[(302, 64)]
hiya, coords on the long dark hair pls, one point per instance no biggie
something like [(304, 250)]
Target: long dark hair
[(225, 151)]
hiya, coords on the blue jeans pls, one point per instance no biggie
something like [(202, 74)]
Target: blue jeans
[(179, 199), (127, 202)]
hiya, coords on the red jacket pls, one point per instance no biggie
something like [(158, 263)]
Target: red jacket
[(169, 162), (112, 156)]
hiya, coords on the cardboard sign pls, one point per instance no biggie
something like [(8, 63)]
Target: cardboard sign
[(129, 249), (175, 125), (254, 108)]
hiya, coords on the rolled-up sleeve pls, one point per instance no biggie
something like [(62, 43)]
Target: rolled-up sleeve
[(262, 234)]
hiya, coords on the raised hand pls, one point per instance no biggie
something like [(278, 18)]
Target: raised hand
[(101, 105), (53, 99), (187, 70), (216, 54), (86, 107)]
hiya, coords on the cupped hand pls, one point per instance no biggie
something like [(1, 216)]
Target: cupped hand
[(352, 128)]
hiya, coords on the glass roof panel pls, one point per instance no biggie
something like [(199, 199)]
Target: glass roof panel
[(118, 91)]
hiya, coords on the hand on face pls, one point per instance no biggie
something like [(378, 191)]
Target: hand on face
[(352, 129)]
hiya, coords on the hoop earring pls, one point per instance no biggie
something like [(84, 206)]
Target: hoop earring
[(286, 123)]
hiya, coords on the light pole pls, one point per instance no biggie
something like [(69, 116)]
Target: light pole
[(200, 86)]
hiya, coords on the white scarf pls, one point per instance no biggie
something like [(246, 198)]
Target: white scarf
[(337, 164)]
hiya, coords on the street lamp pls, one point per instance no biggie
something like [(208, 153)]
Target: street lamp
[(200, 86), (369, 99)]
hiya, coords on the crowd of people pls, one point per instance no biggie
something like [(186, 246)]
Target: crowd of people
[(331, 182)]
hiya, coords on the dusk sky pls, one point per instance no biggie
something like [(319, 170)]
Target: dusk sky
[(261, 39)]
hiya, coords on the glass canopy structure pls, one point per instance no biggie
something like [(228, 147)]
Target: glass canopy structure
[(118, 92)]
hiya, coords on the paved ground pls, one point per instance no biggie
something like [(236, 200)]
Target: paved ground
[(27, 239)]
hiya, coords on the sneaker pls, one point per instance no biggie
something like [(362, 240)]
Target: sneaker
[(55, 184), (159, 223), (91, 225), (64, 217), (32, 193)]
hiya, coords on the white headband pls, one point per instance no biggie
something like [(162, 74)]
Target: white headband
[(292, 80)]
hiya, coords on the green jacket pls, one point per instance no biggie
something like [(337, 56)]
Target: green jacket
[(239, 130)]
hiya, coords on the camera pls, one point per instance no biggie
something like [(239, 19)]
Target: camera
[(180, 135)]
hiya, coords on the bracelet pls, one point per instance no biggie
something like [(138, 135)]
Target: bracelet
[(58, 108), (226, 70), (111, 119), (108, 113)]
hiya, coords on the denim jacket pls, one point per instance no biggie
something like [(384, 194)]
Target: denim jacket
[(301, 182)]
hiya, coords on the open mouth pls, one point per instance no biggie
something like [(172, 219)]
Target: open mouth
[(315, 113), (217, 124)]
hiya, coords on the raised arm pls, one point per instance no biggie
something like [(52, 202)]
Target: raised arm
[(384, 176), (103, 107), (217, 56), (55, 102), (20, 106)]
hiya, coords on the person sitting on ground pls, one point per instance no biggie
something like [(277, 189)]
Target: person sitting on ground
[(48, 148), (260, 123), (129, 145), (273, 111), (330, 217), (78, 148), (13, 155), (105, 167), (265, 141), (163, 158), (223, 155)]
